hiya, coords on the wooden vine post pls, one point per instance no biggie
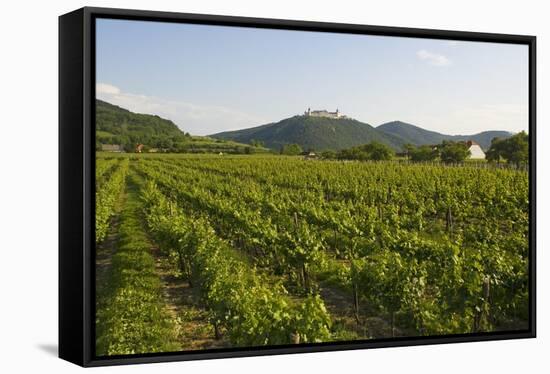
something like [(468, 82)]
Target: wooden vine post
[(449, 219), (482, 315), (304, 270)]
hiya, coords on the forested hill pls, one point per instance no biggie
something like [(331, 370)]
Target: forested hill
[(321, 133), (316, 133), (415, 135), (115, 125)]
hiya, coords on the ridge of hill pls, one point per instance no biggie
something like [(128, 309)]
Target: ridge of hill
[(318, 133)]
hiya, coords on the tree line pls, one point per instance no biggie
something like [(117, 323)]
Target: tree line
[(513, 150)]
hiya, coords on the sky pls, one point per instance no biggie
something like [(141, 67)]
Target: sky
[(209, 79)]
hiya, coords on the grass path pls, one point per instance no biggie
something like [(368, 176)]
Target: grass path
[(132, 316), (104, 255)]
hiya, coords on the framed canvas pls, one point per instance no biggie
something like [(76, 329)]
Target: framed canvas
[(234, 186)]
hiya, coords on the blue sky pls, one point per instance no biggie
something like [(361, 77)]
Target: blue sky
[(209, 79)]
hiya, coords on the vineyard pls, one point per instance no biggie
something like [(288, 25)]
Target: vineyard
[(208, 251)]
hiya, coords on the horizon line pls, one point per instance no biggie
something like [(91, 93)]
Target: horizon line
[(303, 115)]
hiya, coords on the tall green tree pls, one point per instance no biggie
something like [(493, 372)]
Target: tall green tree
[(256, 143), (453, 152), (408, 149), (378, 151), (495, 152), (515, 149), (329, 154), (372, 151), (423, 153), (291, 149)]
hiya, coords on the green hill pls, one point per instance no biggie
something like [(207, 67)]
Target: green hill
[(316, 133), (408, 133), (411, 134), (116, 125)]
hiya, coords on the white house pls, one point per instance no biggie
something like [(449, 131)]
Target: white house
[(475, 150)]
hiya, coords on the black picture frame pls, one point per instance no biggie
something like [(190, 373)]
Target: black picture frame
[(77, 192)]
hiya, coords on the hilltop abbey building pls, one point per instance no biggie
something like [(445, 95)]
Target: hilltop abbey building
[(323, 113)]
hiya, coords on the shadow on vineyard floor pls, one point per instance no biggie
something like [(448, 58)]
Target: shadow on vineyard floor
[(340, 305), (194, 332), (106, 250)]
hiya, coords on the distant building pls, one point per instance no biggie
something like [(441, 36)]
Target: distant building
[(112, 148), (323, 113), (475, 150), (310, 155)]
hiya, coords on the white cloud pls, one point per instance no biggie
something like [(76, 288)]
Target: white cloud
[(107, 89), (509, 117), (471, 119), (193, 118), (433, 58)]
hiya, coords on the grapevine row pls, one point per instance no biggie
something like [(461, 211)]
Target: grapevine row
[(237, 297)]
